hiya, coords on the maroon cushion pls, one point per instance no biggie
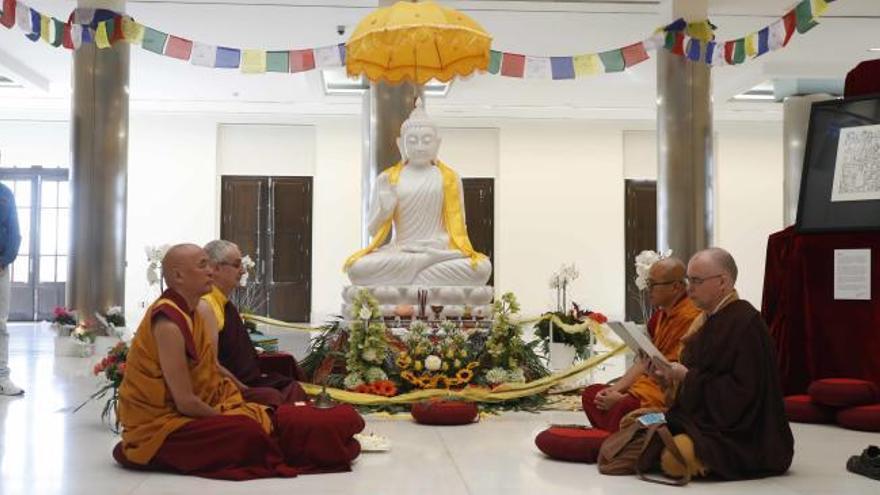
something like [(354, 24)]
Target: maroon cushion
[(444, 412), (865, 418), (843, 392), (571, 444), (800, 409)]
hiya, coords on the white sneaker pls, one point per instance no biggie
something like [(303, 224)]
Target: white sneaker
[(9, 388)]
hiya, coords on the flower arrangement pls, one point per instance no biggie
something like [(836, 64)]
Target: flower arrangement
[(576, 315), (367, 345), (84, 333), (111, 370), (505, 348), (560, 281), (439, 359), (63, 316), (643, 263)]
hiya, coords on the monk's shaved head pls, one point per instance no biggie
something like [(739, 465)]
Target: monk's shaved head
[(185, 269), (720, 259), (669, 269), (666, 282), (175, 258)]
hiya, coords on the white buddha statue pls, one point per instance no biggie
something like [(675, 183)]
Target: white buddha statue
[(419, 202)]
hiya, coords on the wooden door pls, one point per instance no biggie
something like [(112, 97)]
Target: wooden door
[(640, 217), (479, 207)]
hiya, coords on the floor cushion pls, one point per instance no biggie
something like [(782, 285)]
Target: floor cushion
[(801, 409), (843, 392), (571, 443)]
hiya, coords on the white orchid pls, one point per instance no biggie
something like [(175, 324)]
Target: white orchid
[(114, 310), (644, 261), (248, 264), (154, 261), (566, 274)]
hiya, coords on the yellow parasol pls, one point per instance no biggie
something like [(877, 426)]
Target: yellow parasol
[(417, 42)]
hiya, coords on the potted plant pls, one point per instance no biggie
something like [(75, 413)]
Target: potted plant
[(562, 347)]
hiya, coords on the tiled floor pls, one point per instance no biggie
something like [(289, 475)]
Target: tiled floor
[(45, 449)]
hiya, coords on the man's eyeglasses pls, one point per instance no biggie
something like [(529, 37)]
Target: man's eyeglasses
[(700, 280), (234, 264), (651, 284)]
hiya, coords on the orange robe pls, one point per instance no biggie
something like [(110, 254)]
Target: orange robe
[(146, 408), (670, 326)]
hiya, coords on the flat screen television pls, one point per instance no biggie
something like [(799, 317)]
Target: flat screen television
[(840, 185)]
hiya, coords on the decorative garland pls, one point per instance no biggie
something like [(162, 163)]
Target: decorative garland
[(694, 41), (501, 393)]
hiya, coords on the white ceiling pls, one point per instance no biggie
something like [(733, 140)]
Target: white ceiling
[(537, 27)]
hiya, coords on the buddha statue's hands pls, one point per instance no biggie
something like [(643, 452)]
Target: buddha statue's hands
[(387, 193)]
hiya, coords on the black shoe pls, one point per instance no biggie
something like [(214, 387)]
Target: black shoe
[(867, 464)]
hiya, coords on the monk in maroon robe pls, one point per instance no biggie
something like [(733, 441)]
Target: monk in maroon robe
[(235, 351), (727, 416), (180, 414)]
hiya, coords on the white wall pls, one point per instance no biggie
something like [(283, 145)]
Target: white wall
[(559, 192)]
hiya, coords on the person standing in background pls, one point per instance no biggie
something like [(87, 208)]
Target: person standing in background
[(10, 241)]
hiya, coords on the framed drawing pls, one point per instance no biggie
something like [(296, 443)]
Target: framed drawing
[(840, 186)]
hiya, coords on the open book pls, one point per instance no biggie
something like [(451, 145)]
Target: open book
[(633, 337)]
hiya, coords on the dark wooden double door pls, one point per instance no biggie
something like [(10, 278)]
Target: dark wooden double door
[(270, 218)]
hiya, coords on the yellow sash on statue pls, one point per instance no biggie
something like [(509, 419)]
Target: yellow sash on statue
[(453, 218)]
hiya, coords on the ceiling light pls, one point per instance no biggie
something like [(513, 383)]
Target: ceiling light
[(337, 82), (874, 49)]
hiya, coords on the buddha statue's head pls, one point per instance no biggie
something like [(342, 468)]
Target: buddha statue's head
[(419, 140)]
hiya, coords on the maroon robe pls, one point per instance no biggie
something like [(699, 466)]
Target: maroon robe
[(237, 354), (730, 401)]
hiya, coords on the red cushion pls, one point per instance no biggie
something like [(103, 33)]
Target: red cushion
[(800, 409), (865, 418), (444, 412), (843, 392), (318, 440), (571, 444)]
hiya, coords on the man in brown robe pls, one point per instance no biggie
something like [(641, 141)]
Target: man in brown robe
[(235, 351), (728, 414), (605, 405)]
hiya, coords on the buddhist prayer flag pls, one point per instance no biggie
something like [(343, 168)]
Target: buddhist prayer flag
[(694, 50), (36, 25), (678, 44), (613, 61), (8, 17), (657, 40), (729, 47), (587, 65), (227, 58), (102, 38), (132, 31), (820, 7), (513, 65), (328, 56), (538, 68), (804, 16), (790, 22), (739, 51), (253, 61), (302, 60), (562, 67), (278, 61), (154, 41), (777, 35), (751, 42), (634, 54), (763, 41), (117, 33), (677, 25), (57, 33), (68, 36), (710, 52), (45, 28), (178, 48), (494, 61), (23, 18), (203, 55)]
